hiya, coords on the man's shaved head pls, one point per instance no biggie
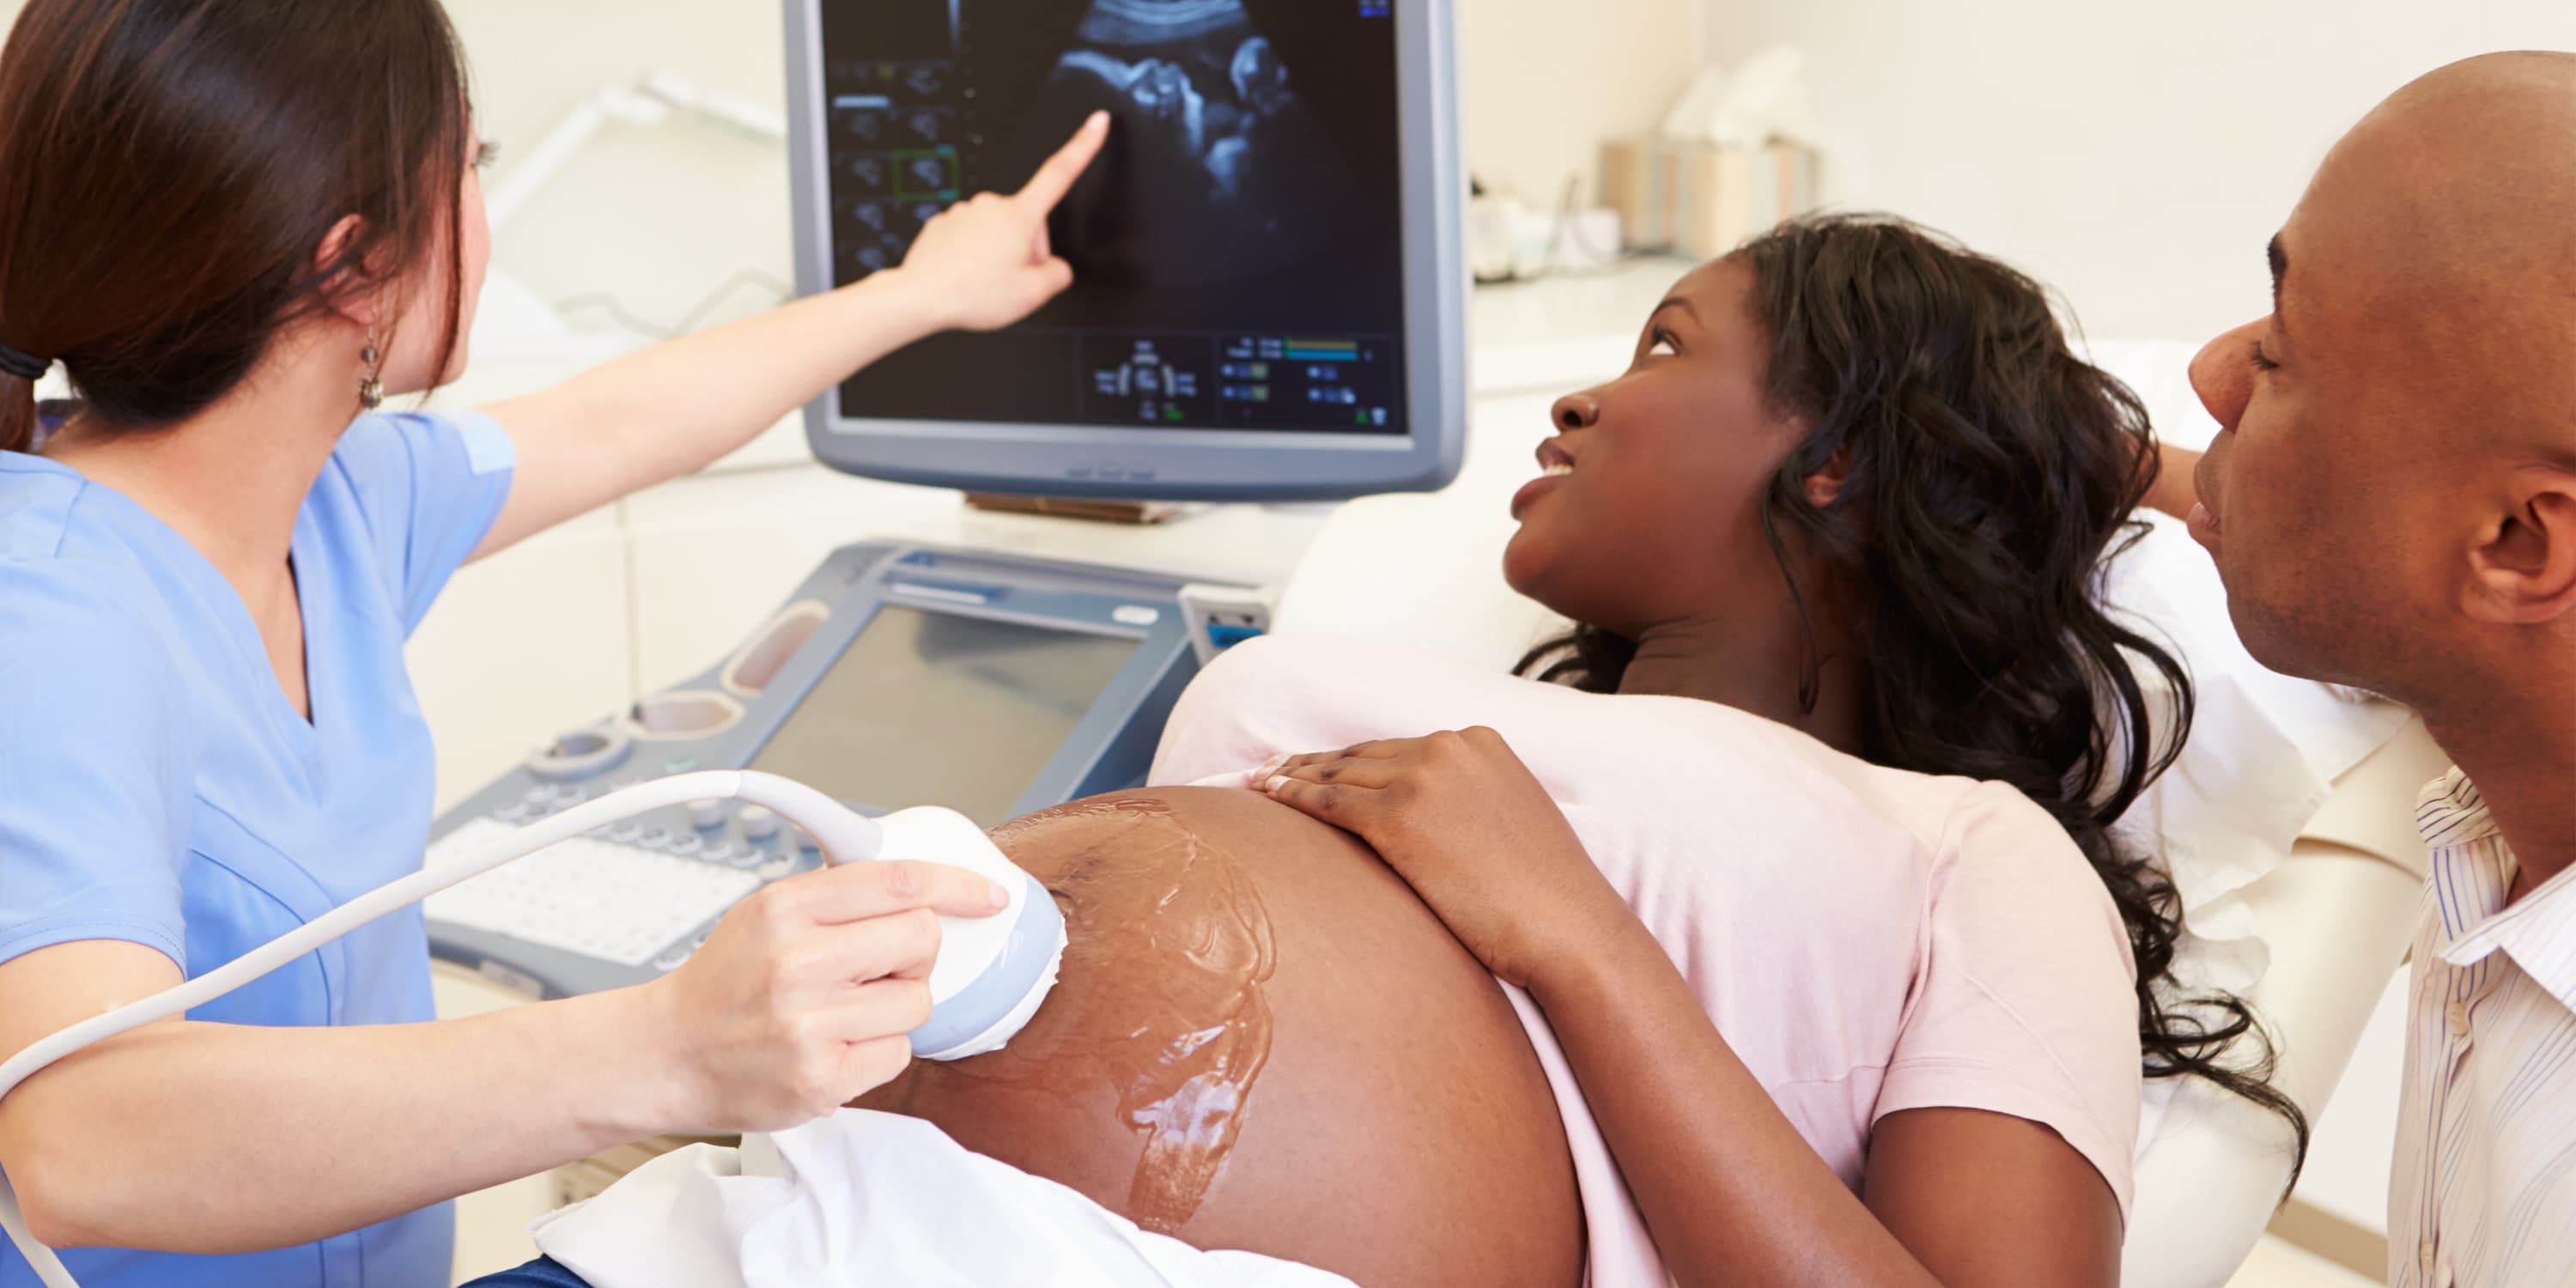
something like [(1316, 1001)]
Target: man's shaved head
[(2456, 202), (2393, 503)]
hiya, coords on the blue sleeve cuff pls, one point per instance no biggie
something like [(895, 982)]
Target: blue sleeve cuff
[(53, 932), (489, 449)]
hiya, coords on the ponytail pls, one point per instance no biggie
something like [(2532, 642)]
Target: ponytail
[(17, 414), (19, 372)]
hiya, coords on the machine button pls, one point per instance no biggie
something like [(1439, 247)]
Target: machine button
[(758, 823), (680, 765), (773, 871), (1135, 614), (684, 845), (654, 838), (514, 812), (719, 852), (674, 959), (626, 833), (706, 816)]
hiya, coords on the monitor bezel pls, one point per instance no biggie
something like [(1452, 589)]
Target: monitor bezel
[(1079, 460)]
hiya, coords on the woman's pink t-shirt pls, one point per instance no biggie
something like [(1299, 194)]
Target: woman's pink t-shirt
[(1867, 940)]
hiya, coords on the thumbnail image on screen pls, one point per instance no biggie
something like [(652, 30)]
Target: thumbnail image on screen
[(1237, 248)]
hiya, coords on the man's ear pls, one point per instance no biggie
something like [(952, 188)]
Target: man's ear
[(347, 289), (2523, 570), (1825, 486)]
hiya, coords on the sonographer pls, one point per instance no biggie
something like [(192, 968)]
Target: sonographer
[(240, 225)]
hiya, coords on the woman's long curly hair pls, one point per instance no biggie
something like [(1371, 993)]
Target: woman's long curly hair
[(1990, 474)]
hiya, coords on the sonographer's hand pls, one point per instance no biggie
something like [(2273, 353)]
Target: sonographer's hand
[(802, 998), (985, 262)]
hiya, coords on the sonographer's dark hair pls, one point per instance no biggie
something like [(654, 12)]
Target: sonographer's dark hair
[(1991, 474), (170, 168)]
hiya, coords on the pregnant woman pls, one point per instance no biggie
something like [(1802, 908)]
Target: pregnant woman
[(1828, 968)]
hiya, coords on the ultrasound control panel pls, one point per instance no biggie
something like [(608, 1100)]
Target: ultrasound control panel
[(894, 676)]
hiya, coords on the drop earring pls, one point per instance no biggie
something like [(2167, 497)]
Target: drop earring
[(371, 384)]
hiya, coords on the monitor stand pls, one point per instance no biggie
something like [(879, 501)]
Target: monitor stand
[(1136, 513)]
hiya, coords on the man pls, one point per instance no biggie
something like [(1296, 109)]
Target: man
[(2392, 504)]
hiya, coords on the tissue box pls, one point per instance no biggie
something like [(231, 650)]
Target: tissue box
[(1701, 199)]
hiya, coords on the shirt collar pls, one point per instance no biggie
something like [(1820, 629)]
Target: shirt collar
[(2451, 812), (2470, 883)]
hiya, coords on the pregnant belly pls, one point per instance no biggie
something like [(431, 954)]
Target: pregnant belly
[(1262, 1040)]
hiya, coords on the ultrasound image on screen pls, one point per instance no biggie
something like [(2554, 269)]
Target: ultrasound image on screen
[(1237, 247)]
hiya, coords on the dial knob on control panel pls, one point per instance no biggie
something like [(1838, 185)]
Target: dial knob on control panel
[(758, 824), (706, 816)]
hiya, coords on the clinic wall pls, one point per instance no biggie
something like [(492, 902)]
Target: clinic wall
[(688, 218), (2134, 156), (663, 221)]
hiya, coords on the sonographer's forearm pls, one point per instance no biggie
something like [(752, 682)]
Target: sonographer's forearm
[(681, 405), (207, 1138)]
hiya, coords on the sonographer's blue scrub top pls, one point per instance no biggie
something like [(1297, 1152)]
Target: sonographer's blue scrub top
[(157, 787)]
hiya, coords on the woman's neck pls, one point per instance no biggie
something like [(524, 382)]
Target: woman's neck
[(1720, 662), (232, 478)]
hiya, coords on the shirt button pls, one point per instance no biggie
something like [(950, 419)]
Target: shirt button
[(2457, 1016), (2424, 1256)]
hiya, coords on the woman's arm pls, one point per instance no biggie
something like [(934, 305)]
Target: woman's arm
[(1729, 1190), (677, 407), (215, 1138)]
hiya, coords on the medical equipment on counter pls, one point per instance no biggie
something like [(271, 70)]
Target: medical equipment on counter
[(646, 104), (990, 976), (1269, 277), (989, 684)]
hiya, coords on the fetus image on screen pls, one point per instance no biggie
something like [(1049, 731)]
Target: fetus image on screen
[(1227, 170)]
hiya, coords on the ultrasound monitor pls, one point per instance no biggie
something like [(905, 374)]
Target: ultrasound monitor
[(1269, 286)]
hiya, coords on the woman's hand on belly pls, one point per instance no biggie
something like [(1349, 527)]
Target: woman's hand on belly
[(1467, 825)]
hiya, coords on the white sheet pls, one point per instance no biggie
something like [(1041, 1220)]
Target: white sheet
[(865, 1198)]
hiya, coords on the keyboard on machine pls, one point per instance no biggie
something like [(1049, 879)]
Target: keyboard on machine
[(622, 897)]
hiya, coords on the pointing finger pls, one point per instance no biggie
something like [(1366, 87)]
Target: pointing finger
[(1055, 178)]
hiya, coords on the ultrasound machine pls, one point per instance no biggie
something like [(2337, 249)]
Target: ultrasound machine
[(1267, 307)]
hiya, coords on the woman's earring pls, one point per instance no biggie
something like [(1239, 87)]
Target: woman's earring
[(371, 385)]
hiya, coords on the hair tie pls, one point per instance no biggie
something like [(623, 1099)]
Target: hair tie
[(24, 365)]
